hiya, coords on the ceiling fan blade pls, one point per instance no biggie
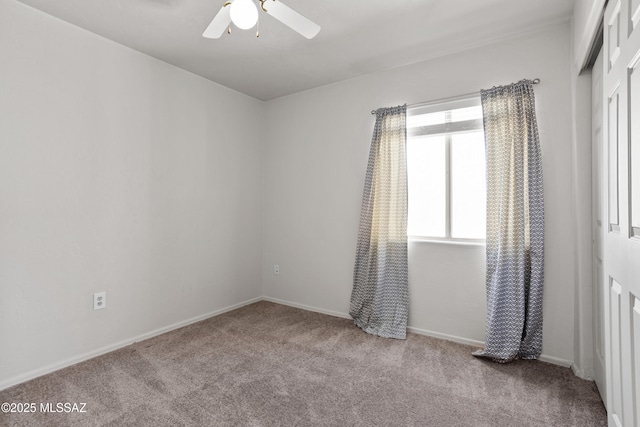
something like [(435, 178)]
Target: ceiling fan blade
[(291, 18), (219, 23)]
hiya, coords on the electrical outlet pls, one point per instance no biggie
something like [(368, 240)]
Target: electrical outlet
[(99, 300), (276, 269)]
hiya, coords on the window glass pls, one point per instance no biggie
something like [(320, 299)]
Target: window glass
[(425, 119), (426, 171), (468, 186), (468, 113)]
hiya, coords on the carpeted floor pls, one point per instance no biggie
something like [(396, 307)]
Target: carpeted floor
[(272, 365)]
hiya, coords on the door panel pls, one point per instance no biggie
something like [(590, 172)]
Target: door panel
[(634, 13), (614, 160), (635, 348), (613, 33), (615, 343), (634, 146)]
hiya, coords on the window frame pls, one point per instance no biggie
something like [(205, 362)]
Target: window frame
[(446, 129)]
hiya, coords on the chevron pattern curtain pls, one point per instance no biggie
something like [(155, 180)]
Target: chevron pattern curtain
[(515, 224), (380, 296)]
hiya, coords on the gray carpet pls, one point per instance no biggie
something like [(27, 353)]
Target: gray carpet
[(272, 365)]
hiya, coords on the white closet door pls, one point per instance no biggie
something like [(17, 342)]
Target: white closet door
[(621, 228)]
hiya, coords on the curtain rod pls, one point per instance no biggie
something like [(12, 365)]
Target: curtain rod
[(451, 98)]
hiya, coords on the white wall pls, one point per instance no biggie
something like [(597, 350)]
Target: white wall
[(316, 150), (120, 173)]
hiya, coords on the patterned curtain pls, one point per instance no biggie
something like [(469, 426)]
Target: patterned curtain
[(380, 296), (515, 224)]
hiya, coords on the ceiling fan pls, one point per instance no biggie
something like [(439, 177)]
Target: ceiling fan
[(244, 14)]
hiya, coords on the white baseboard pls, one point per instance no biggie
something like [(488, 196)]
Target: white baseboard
[(585, 374), (307, 307), (555, 361), (475, 343), (109, 348), (461, 340), (446, 337)]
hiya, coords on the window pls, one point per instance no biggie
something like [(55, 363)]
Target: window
[(446, 171)]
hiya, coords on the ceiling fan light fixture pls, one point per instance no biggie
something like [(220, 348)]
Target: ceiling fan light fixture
[(244, 14)]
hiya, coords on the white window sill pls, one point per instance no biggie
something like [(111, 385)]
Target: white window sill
[(458, 242)]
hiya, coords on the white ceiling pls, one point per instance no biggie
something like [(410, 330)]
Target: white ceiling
[(357, 36)]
